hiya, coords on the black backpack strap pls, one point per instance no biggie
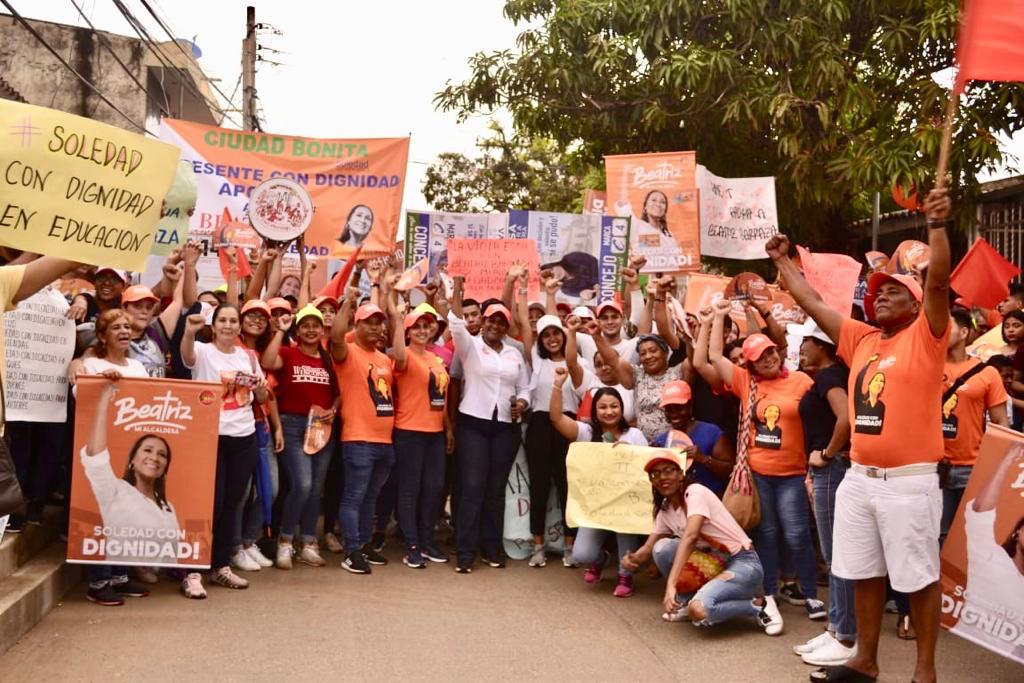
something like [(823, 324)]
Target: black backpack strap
[(962, 379)]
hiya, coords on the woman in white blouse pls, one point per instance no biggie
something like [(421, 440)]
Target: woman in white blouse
[(495, 395)]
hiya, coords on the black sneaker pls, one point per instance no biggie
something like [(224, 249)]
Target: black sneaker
[(433, 554), (356, 563), (130, 589), (815, 609), (377, 542), (791, 593), (413, 558), (496, 562), (373, 555), (463, 568), (106, 596)]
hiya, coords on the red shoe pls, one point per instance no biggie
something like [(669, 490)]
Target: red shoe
[(624, 587)]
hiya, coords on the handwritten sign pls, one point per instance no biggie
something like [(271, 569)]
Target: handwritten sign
[(833, 276), (608, 488), (39, 342), (79, 189), (517, 537), (485, 263), (737, 215)]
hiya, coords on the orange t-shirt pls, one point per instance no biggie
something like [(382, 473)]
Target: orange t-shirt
[(367, 403), (963, 415), (421, 392), (776, 446), (895, 393)]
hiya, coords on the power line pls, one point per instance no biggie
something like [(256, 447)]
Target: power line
[(70, 68), (128, 71)]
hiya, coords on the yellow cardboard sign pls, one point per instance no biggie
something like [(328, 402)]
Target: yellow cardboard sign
[(608, 488), (78, 189)]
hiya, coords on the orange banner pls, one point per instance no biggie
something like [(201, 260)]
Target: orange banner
[(982, 579), (484, 263), (703, 290), (356, 184), (143, 472), (660, 192)]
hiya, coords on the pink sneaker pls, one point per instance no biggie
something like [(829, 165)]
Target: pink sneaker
[(593, 573), (624, 587)]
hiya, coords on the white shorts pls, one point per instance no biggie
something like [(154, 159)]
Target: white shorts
[(888, 526)]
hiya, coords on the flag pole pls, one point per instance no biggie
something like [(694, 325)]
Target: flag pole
[(947, 138)]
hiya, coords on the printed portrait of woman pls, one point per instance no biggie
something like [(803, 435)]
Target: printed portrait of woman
[(357, 226), (655, 211), (578, 272)]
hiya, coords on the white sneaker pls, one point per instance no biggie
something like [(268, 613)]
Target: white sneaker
[(285, 551), (568, 561), (241, 560), (310, 554), (813, 644), (192, 586), (770, 618), (259, 558), (538, 558), (833, 653)]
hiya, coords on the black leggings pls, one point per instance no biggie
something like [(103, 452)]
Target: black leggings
[(237, 460), (545, 456)]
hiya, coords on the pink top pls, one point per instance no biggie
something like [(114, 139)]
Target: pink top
[(444, 352), (719, 529)]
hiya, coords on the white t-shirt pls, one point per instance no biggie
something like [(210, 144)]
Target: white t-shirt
[(591, 384), (541, 381), (236, 372), (96, 366), (632, 436), (125, 510), (626, 348), (994, 586)]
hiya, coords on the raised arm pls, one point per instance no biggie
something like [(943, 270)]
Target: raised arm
[(190, 257), (98, 438), (828, 320), (701, 363), (988, 497), (723, 365), (666, 328), (40, 273), (398, 349), (306, 267), (271, 358), (339, 346), (565, 425), (937, 207), (522, 316), (193, 324), (572, 354), (169, 316)]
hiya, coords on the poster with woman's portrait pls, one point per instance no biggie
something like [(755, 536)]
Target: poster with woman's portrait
[(983, 558), (660, 192), (143, 472)]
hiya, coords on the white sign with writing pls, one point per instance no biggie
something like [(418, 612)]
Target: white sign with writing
[(737, 215), (40, 341)]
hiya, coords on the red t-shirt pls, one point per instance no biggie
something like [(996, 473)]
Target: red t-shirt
[(303, 381)]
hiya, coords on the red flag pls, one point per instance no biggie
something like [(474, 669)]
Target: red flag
[(990, 47), (336, 287), (983, 276)]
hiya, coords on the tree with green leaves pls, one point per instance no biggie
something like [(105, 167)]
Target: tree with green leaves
[(835, 98)]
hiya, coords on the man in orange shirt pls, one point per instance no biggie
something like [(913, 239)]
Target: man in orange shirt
[(365, 375), (888, 507), (964, 404)]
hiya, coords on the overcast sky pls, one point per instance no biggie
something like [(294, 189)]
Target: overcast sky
[(349, 68)]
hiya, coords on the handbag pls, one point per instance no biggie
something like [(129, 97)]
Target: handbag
[(11, 498), (701, 567), (741, 499)]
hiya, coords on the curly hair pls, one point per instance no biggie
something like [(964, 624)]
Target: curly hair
[(103, 324)]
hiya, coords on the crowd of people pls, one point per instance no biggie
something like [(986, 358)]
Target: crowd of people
[(427, 404)]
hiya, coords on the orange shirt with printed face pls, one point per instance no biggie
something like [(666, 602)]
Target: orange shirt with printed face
[(367, 400), (776, 446), (895, 393), (422, 389), (963, 413)]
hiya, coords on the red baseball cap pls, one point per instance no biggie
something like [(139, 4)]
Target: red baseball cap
[(498, 309), (137, 293), (755, 345), (876, 281), (610, 303), (677, 393), (368, 311), (665, 455), (256, 305)]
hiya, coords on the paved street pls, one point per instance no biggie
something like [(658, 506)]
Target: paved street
[(513, 624)]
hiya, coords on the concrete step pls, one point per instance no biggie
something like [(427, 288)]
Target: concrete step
[(17, 549), (33, 590)]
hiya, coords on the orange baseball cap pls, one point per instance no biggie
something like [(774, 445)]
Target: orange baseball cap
[(755, 345), (665, 455), (610, 303), (256, 305), (320, 300), (137, 293), (368, 311), (413, 316), (498, 309), (876, 281), (279, 303), (677, 393)]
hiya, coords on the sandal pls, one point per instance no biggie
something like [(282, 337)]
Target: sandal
[(905, 628), (841, 673)]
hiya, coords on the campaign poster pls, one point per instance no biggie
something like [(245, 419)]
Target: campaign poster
[(983, 557), (355, 184), (143, 472), (427, 234), (659, 192), (586, 251), (703, 290)]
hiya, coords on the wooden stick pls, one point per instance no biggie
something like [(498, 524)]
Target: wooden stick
[(947, 139)]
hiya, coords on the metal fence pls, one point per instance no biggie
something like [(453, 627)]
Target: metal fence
[(1002, 225)]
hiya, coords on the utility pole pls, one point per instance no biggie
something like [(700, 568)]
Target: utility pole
[(249, 70)]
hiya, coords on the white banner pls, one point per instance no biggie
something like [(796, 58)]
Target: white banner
[(737, 215), (40, 341)]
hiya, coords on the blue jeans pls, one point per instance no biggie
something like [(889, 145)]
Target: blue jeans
[(486, 451), (723, 599), (367, 466), (841, 617), (785, 516), (951, 497), (590, 543), (252, 509), (420, 471), (306, 475)]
